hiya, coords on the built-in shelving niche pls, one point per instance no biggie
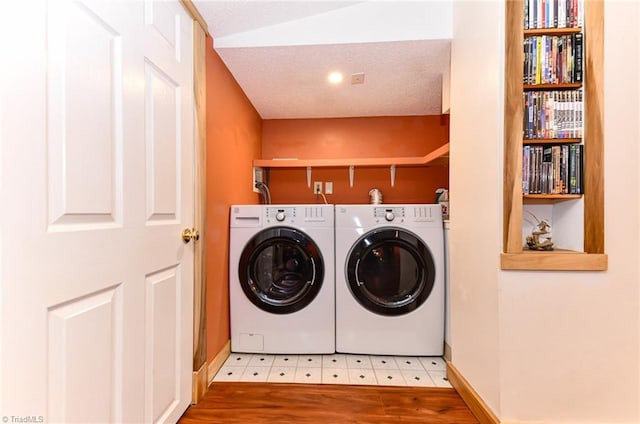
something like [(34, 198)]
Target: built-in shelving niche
[(578, 221)]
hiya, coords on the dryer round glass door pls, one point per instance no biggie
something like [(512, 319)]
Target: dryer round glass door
[(281, 270), (390, 271)]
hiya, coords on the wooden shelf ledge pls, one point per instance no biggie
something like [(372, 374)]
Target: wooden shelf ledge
[(439, 157), (557, 260), (551, 31), (559, 86), (533, 199), (551, 140)]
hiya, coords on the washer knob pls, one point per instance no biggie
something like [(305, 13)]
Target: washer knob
[(389, 216), (280, 216)]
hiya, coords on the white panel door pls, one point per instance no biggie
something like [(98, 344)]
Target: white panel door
[(96, 132)]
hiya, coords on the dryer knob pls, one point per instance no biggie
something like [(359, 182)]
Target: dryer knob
[(280, 216), (389, 216)]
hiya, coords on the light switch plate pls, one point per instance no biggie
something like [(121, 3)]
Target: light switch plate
[(328, 187)]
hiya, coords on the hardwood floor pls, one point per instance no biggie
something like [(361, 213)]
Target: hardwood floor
[(256, 403)]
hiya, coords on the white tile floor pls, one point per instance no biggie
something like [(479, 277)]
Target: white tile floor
[(335, 369)]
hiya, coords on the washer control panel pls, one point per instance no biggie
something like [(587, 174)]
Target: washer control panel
[(280, 214), (300, 215)]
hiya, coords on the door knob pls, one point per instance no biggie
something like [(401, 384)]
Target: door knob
[(189, 234)]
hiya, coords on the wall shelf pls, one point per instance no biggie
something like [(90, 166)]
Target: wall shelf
[(438, 157), (551, 140), (548, 198), (551, 31), (557, 260), (567, 86)]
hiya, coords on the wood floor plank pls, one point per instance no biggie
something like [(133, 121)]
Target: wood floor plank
[(234, 402)]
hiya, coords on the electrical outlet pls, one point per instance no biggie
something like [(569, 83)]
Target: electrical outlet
[(328, 187), (317, 187)]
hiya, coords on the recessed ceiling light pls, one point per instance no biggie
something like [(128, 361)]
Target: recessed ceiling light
[(335, 77)]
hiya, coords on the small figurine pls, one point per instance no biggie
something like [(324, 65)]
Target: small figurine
[(540, 238)]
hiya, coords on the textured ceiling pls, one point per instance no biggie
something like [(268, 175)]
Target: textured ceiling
[(281, 52)]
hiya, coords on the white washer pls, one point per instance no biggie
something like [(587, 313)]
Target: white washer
[(281, 279), (389, 279)]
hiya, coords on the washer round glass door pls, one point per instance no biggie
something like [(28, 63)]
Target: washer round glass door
[(390, 271), (281, 270)]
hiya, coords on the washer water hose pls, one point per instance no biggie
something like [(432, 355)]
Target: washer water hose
[(264, 191)]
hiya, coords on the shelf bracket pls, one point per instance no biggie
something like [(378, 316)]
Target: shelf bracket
[(309, 176), (351, 171), (393, 175)]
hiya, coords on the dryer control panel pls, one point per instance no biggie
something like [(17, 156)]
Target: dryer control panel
[(423, 214), (390, 214), (405, 214)]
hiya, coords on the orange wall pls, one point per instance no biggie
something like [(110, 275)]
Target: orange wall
[(233, 141), (356, 138)]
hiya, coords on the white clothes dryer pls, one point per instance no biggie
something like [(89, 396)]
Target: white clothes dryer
[(281, 279), (389, 279)]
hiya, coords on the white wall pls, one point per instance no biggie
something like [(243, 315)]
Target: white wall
[(476, 126), (559, 347), (638, 186)]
